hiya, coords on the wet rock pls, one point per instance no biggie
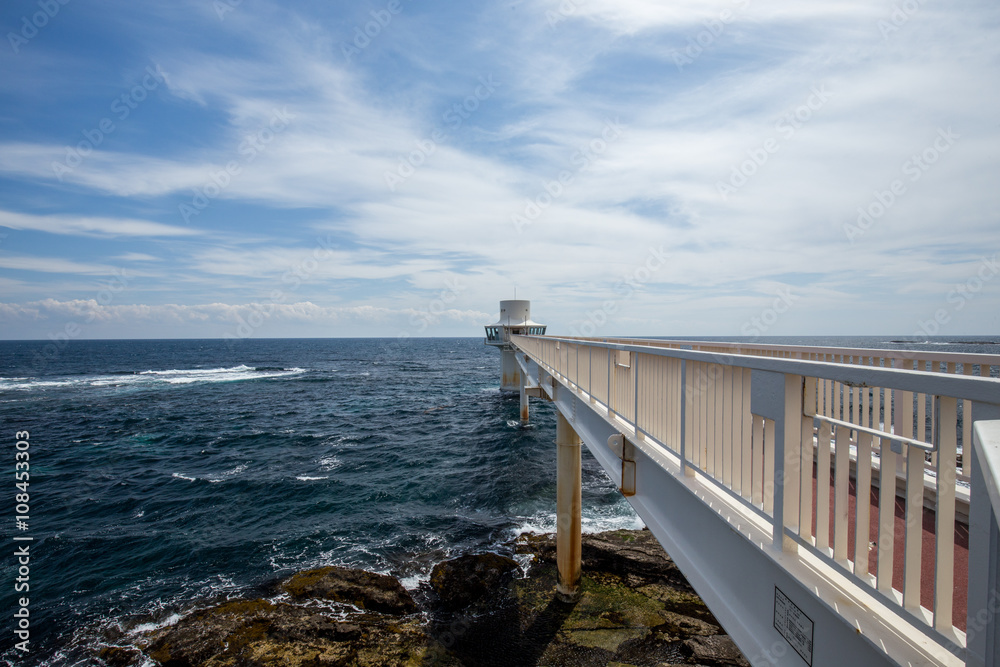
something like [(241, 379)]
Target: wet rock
[(367, 590), (632, 552), (635, 610), (461, 581), (119, 656), (679, 626), (716, 650), (264, 634)]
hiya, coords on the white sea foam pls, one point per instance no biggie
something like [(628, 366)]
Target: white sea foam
[(306, 478), (412, 582), (590, 522), (34, 383), (152, 378), (149, 627), (180, 476), (329, 463), (230, 473)]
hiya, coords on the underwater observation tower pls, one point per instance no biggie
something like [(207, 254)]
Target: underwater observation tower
[(515, 319)]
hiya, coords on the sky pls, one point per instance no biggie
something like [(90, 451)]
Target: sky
[(247, 168)]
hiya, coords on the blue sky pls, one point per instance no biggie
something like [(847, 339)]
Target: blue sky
[(211, 168)]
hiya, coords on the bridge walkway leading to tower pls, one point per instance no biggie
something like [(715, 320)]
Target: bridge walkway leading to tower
[(719, 449)]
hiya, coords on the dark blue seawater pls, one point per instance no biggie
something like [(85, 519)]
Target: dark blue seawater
[(164, 473), (167, 474)]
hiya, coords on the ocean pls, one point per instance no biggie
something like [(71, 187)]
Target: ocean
[(168, 474)]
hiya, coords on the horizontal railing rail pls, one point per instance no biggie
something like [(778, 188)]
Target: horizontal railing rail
[(808, 443), (860, 405)]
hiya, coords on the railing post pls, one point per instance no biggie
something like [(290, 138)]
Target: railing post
[(982, 620), (611, 386), (788, 462), (686, 470), (634, 362), (568, 510)]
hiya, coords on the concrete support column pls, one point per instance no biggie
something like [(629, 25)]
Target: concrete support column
[(524, 403), (510, 372), (568, 505)]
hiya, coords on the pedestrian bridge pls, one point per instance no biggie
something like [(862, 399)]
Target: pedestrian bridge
[(832, 506)]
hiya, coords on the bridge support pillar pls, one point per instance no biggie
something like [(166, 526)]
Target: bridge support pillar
[(524, 402), (568, 504), (510, 372)]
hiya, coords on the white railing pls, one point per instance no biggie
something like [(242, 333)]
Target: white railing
[(800, 436), (853, 404)]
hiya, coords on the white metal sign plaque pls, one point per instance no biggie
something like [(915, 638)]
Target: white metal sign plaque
[(792, 623)]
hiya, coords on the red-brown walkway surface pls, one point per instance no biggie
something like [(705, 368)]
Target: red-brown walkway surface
[(927, 551)]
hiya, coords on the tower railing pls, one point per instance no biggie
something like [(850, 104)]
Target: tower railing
[(803, 437)]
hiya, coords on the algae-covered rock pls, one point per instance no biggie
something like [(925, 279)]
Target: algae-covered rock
[(263, 634), (367, 590), (718, 650), (461, 581), (635, 610)]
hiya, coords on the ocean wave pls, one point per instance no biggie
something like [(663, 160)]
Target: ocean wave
[(35, 383), (229, 473), (590, 522), (329, 463), (232, 374), (152, 378)]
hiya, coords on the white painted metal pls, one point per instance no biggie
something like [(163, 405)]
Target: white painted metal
[(982, 632), (733, 434)]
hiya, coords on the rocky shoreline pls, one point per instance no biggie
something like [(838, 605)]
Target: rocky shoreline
[(636, 609)]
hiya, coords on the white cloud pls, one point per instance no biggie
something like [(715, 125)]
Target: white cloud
[(53, 265), (89, 226), (655, 186), (246, 320)]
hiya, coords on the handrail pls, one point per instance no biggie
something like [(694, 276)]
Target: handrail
[(987, 445), (920, 444), (959, 386), (920, 355)]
